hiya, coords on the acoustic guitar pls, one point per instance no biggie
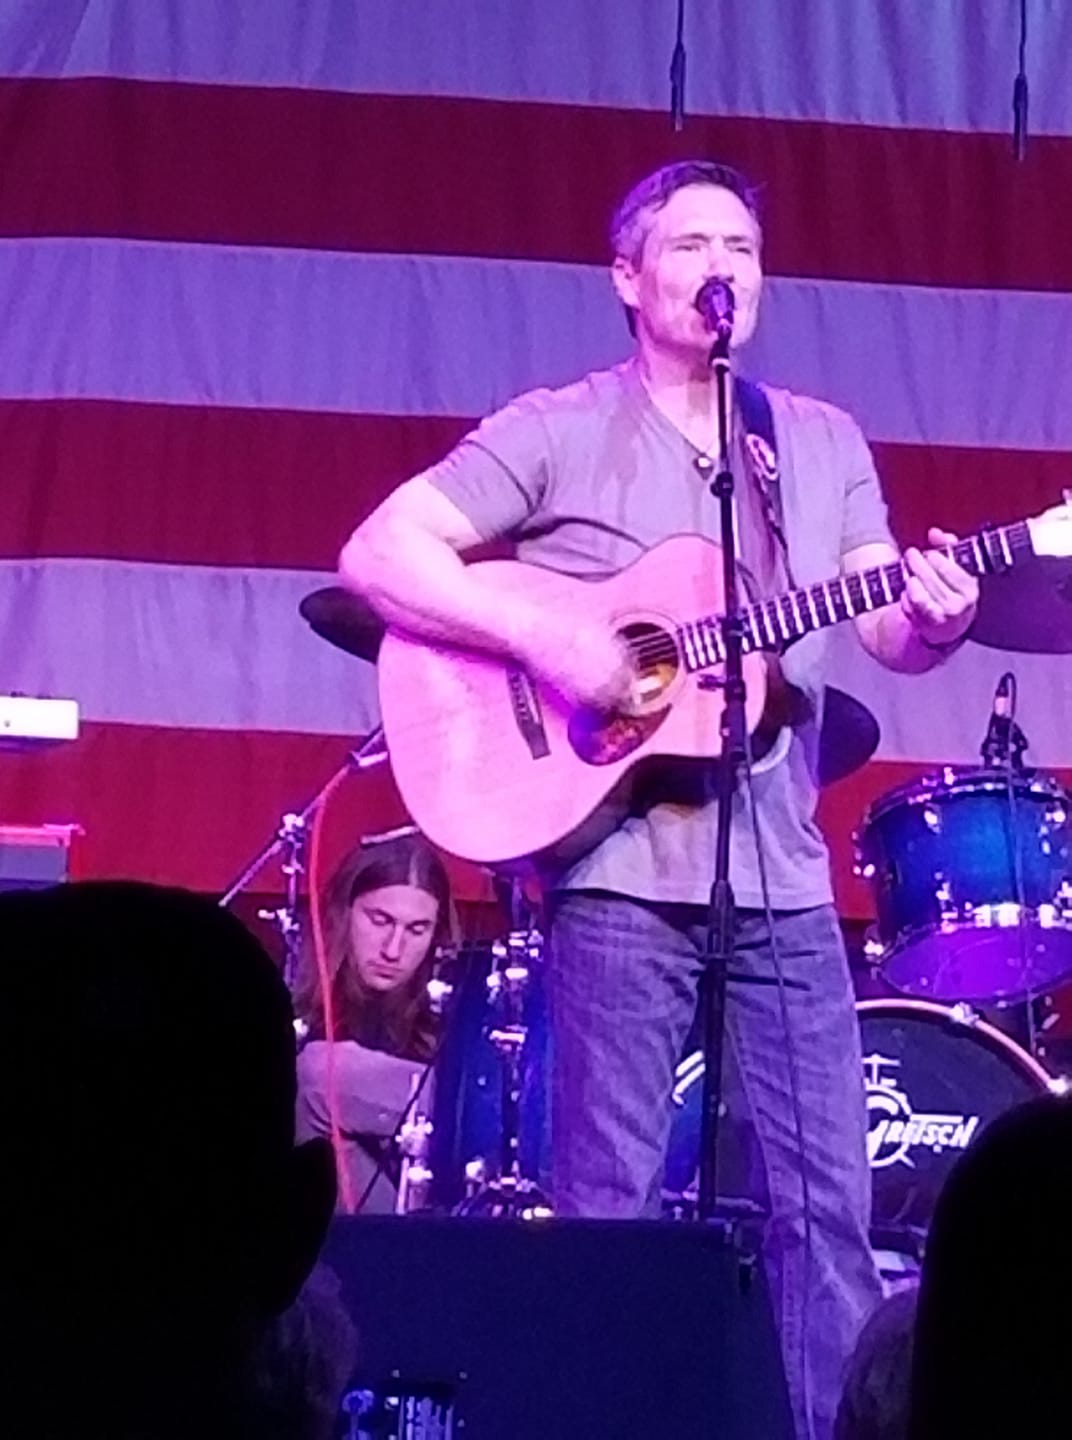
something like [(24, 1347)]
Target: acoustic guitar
[(495, 766)]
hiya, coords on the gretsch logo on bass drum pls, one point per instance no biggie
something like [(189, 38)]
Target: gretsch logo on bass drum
[(895, 1127)]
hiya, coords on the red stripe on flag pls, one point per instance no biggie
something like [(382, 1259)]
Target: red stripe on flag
[(218, 797), (218, 486), (217, 800), (208, 486), (962, 488), (263, 166)]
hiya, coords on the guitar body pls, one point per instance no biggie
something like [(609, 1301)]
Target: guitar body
[(496, 768)]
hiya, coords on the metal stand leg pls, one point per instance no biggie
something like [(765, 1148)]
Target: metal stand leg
[(289, 840), (510, 1192)]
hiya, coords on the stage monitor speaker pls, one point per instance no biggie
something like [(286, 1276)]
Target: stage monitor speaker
[(565, 1329)]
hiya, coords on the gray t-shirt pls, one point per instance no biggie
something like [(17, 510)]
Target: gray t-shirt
[(586, 478)]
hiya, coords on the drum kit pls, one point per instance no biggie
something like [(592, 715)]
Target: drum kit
[(971, 873)]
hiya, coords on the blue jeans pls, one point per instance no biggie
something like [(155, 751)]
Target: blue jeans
[(624, 977)]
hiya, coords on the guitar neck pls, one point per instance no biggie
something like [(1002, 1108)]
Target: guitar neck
[(770, 624)]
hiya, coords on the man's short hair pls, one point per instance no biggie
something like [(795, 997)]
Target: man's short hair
[(633, 218)]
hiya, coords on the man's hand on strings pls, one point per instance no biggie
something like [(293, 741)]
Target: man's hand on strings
[(940, 598)]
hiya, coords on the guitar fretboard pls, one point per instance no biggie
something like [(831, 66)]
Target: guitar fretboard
[(770, 624)]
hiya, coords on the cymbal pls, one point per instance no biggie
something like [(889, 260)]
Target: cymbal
[(1028, 609), (848, 736), (344, 621)]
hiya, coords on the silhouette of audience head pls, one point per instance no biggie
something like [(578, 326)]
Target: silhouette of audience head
[(990, 1353), (161, 1213), (874, 1403), (304, 1363)]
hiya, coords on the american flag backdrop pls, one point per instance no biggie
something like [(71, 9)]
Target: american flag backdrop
[(262, 259)]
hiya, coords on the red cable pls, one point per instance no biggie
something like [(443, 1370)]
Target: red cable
[(327, 991)]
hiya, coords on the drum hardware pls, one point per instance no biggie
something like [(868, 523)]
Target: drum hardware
[(950, 916), (291, 837), (415, 1181), (289, 841), (476, 1177), (1003, 749), (414, 1135), (532, 1205), (508, 1192), (439, 992)]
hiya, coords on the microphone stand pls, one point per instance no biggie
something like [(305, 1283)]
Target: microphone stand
[(1004, 744), (721, 914)]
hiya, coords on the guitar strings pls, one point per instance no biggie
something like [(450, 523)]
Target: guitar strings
[(651, 649)]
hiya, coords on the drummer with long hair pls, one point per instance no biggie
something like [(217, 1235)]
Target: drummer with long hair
[(385, 910)]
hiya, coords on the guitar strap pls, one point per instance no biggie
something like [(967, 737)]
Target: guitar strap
[(761, 452), (784, 701)]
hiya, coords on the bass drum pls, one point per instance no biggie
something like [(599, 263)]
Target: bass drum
[(935, 1076)]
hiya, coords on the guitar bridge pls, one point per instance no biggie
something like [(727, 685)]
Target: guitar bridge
[(528, 715)]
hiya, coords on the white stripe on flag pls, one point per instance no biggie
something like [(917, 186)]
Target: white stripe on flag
[(943, 716), (223, 648), (211, 648), (404, 335), (933, 64)]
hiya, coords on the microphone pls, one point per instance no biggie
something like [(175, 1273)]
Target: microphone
[(1002, 696), (715, 302), (998, 732)]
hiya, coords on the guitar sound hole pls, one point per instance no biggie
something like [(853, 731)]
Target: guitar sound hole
[(600, 739), (655, 661)]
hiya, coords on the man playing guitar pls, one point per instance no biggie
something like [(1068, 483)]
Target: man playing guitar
[(586, 479)]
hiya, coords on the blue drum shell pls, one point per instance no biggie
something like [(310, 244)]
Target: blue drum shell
[(948, 846)]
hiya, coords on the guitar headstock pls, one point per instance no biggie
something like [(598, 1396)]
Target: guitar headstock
[(1051, 532)]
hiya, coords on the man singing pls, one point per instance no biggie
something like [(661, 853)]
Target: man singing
[(584, 479)]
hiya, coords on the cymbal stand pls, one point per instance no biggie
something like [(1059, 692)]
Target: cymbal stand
[(289, 841), (509, 1193)]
